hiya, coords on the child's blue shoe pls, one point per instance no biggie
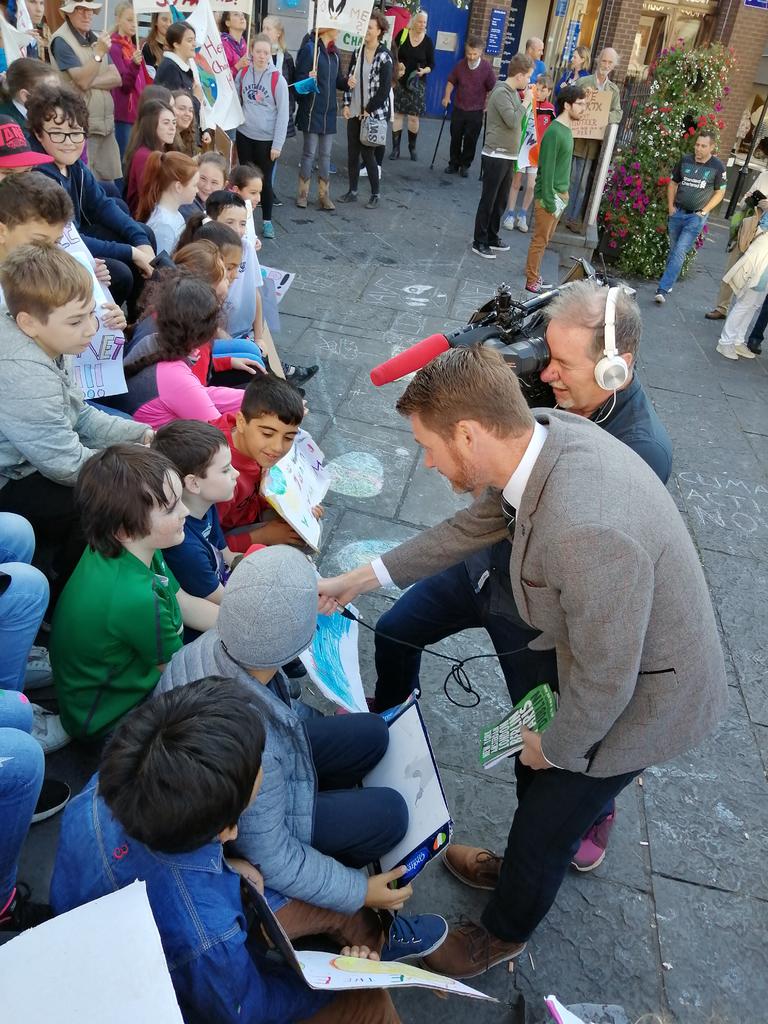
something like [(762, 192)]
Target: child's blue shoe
[(413, 937), (268, 231)]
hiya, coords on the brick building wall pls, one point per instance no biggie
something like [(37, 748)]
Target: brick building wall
[(619, 25), (746, 30), (480, 16)]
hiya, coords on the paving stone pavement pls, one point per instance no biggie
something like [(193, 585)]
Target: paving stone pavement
[(674, 920)]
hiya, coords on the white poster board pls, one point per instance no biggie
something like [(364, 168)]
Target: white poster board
[(296, 484), (98, 370), (221, 105), (332, 661), (348, 16), (100, 963), (282, 279), (185, 7)]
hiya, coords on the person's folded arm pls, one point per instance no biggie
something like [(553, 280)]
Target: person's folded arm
[(197, 612), (605, 581)]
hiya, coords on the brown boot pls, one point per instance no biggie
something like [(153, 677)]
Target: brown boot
[(323, 195), (303, 193), (471, 950), (473, 866)]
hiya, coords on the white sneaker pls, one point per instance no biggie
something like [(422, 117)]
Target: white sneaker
[(744, 352), (48, 730), (38, 672), (660, 298), (729, 351), (522, 223), (508, 222), (363, 172), (381, 173)]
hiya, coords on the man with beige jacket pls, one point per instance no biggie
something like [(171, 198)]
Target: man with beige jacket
[(603, 565)]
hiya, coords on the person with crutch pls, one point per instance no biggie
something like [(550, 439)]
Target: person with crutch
[(469, 85)]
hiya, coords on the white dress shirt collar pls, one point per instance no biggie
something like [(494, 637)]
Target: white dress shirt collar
[(177, 60), (513, 491)]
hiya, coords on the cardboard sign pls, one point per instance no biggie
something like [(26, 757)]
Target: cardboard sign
[(595, 119), (223, 145)]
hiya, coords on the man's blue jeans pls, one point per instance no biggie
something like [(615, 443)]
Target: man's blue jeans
[(23, 598), (22, 765), (580, 168), (684, 229)]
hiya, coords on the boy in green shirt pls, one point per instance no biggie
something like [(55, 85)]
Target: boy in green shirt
[(121, 615), (552, 180)]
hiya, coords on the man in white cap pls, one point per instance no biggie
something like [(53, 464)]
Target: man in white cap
[(82, 55)]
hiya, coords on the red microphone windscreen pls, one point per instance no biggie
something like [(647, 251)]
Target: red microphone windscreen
[(412, 359)]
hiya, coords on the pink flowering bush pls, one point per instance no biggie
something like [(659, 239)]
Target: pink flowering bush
[(686, 95)]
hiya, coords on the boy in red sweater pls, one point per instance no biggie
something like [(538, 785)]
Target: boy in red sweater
[(528, 158), (259, 435), (470, 83)]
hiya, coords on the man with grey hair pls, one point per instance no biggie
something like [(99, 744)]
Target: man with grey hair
[(477, 592), (585, 151), (534, 48)]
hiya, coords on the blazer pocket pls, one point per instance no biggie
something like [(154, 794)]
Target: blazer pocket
[(657, 689)]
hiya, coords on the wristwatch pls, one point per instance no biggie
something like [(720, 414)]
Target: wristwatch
[(98, 57)]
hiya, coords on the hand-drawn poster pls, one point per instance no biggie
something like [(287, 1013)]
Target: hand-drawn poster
[(282, 279), (98, 370), (332, 661), (296, 484)]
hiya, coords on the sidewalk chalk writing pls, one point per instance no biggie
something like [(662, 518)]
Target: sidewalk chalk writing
[(715, 499)]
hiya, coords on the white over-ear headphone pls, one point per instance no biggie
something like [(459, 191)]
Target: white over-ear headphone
[(612, 372)]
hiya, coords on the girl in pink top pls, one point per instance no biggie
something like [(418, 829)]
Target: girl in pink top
[(233, 27), (162, 385)]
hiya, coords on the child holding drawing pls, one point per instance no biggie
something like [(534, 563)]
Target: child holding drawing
[(173, 782), (311, 828)]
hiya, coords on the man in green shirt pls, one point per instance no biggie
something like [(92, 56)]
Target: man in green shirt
[(121, 615), (551, 192)]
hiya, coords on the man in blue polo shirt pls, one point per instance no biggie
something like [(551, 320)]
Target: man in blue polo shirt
[(696, 188), (534, 48)]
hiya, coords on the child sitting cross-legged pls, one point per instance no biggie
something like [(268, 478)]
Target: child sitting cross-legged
[(200, 453), (259, 435), (172, 784), (312, 827), (120, 617)]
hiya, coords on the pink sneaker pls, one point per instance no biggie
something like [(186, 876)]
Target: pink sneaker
[(591, 853)]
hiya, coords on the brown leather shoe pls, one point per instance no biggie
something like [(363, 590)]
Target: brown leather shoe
[(473, 866), (715, 314), (470, 950)]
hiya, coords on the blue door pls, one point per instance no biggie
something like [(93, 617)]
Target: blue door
[(444, 16)]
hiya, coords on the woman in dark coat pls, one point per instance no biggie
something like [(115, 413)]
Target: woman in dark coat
[(415, 60), (316, 114)]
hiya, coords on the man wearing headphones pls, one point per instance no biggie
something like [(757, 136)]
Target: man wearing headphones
[(477, 592), (602, 567)]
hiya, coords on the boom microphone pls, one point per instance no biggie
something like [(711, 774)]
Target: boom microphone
[(412, 359)]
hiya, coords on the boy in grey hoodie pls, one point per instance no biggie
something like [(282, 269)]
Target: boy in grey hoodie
[(504, 119), (47, 431)]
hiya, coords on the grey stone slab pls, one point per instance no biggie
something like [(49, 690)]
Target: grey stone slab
[(335, 343), (707, 811), (410, 291), (359, 538), (739, 589), (598, 942), (371, 404), (369, 465), (326, 390), (710, 427), (753, 414), (714, 944), (429, 498), (347, 281), (759, 445), (761, 735)]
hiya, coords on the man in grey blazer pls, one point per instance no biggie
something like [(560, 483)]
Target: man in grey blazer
[(602, 564)]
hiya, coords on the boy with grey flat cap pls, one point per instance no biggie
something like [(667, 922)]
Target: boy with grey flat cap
[(311, 828)]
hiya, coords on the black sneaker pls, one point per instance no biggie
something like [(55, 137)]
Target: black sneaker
[(295, 669), (54, 797), (348, 197), (450, 169), (464, 172), (755, 345), (276, 200), (483, 250), (372, 203), (22, 913), (498, 246), (299, 374)]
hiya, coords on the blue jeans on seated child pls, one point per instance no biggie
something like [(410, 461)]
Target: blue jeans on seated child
[(356, 826), (23, 598), (22, 765), (684, 229)]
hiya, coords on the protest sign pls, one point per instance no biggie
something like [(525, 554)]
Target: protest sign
[(332, 972), (594, 121), (332, 661), (282, 279), (185, 7), (220, 106), (89, 977), (350, 17), (15, 43), (98, 370), (296, 484)]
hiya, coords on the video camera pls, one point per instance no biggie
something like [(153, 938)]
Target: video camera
[(513, 328)]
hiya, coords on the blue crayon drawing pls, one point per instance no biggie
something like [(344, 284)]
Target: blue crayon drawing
[(332, 662)]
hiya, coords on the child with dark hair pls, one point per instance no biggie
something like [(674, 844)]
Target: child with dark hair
[(200, 453), (120, 617), (162, 384), (312, 827), (172, 785), (259, 435), (47, 431)]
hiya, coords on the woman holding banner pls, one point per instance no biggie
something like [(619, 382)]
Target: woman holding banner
[(316, 116)]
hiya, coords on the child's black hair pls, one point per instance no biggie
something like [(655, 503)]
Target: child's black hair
[(266, 395), (190, 445), (240, 175), (220, 200), (180, 769)]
